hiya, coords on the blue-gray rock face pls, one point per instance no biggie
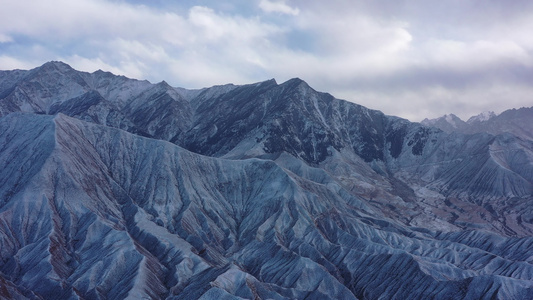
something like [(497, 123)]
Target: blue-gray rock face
[(113, 188)]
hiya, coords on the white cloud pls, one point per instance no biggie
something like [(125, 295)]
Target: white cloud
[(4, 38), (63, 20), (208, 26), (11, 63), (125, 68), (278, 7), (478, 54)]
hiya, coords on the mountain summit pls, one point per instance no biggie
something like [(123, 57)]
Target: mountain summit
[(116, 188)]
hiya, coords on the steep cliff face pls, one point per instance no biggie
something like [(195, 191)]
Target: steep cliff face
[(115, 188)]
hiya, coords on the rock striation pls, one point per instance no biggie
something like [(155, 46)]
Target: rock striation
[(115, 188)]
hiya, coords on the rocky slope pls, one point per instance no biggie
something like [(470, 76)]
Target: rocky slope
[(114, 188)]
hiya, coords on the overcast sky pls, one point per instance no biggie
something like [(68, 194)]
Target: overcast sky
[(412, 59)]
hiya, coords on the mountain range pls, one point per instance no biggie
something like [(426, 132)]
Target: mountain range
[(114, 188), (514, 121)]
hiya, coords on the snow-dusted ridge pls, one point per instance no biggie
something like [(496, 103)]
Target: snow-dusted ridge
[(114, 188), (482, 117), (514, 121)]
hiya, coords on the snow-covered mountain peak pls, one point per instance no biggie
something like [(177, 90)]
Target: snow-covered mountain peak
[(163, 84), (55, 69), (482, 117), (452, 119), (271, 82), (296, 83), (56, 65), (448, 122)]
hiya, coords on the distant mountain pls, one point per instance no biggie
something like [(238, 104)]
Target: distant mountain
[(482, 117), (514, 121), (116, 188), (447, 123)]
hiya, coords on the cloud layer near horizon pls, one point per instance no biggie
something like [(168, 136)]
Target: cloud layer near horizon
[(413, 59)]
